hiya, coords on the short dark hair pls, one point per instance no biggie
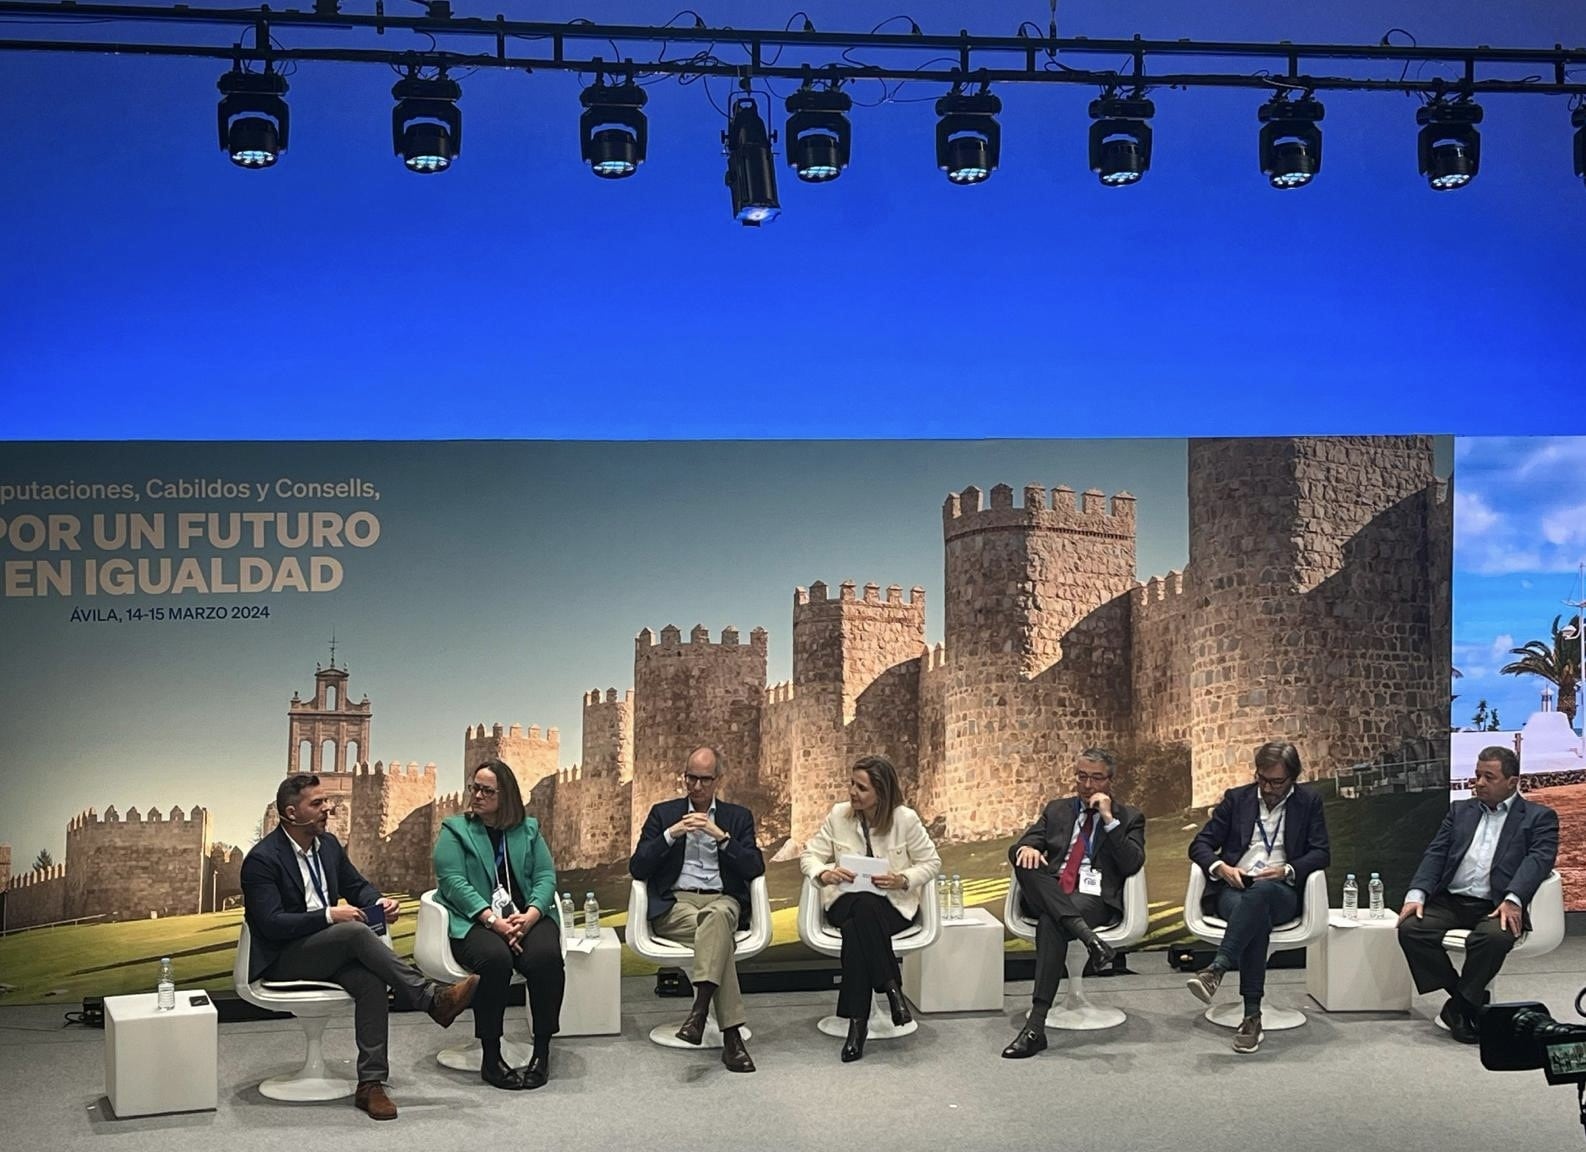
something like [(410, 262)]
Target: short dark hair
[(889, 791), (510, 811), (1100, 756), (292, 789), (1503, 756), (1279, 752)]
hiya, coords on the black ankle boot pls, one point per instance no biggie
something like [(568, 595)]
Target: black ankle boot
[(854, 1046), (899, 1006)]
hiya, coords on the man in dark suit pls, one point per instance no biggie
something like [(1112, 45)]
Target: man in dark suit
[(292, 884), (1070, 873), (1480, 872), (697, 855), (1261, 843)]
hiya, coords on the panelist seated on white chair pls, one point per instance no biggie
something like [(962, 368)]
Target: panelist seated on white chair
[(293, 882), (1480, 873), (494, 877), (1070, 867), (873, 824), (696, 857), (1263, 840)]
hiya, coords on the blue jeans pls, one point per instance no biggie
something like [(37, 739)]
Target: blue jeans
[(1251, 913)]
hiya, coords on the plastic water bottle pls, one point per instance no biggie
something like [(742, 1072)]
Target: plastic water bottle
[(569, 915), (1375, 888), (1351, 897), (942, 894), (955, 898), (165, 989), (591, 917)]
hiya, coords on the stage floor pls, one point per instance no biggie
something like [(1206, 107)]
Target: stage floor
[(1166, 1079)]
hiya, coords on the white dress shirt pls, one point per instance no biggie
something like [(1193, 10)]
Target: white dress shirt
[(311, 900), (1473, 877), (1270, 821)]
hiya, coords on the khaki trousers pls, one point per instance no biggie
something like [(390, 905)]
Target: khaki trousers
[(707, 923)]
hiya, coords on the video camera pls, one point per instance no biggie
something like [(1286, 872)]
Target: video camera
[(1523, 1036)]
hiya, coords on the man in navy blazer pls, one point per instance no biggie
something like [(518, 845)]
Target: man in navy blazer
[(1480, 872), (293, 882), (1263, 840), (696, 856)]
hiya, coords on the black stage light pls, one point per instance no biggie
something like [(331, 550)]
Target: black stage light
[(1291, 142), (968, 137), (426, 124), (751, 171), (818, 134), (1578, 119), (1120, 139), (1448, 147), (253, 117), (613, 131)]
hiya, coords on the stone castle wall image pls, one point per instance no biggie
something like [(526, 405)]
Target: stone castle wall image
[(1315, 606)]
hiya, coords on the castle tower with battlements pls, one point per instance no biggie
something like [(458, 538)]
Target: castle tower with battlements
[(855, 691), (127, 867), (1038, 653), (531, 755), (686, 694)]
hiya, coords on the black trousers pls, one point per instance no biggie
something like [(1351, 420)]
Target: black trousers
[(867, 923), (1044, 898), (1485, 949), (351, 955), (540, 964)]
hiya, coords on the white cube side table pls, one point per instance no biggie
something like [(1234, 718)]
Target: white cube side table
[(962, 971), (160, 1061), (592, 1004), (1358, 966)]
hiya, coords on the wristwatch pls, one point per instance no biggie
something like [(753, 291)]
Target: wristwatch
[(490, 919)]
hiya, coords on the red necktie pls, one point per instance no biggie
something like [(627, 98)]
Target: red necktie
[(1069, 878)]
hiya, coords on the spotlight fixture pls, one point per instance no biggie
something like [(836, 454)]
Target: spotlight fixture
[(252, 116), (1448, 147), (818, 133), (968, 137), (1578, 119), (751, 170), (426, 124), (613, 131), (1291, 142), (1120, 139)]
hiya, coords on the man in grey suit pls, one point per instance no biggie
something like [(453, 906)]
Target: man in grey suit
[(1480, 872), (1070, 867)]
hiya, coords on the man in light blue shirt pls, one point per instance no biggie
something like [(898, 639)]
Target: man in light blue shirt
[(1480, 873)]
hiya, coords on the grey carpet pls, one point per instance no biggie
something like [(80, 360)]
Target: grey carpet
[(1165, 1080)]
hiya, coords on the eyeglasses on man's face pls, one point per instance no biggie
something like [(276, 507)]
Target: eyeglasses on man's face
[(482, 790), (1271, 781), (1091, 777), (694, 781)]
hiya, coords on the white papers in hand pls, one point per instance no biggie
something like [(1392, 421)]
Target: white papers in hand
[(863, 868)]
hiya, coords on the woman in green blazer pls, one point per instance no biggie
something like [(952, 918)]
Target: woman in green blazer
[(494, 875)]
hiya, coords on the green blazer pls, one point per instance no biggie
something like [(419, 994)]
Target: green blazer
[(465, 865)]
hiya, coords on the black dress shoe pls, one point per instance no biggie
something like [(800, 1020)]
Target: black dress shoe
[(1101, 952), (734, 1056), (538, 1071), (1026, 1044), (854, 1046), (1458, 1026), (500, 1075), (693, 1029), (899, 1006)]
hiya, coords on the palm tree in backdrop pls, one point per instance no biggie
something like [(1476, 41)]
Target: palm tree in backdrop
[(1557, 662)]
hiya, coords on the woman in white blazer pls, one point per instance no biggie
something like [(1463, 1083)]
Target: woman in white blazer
[(874, 822)]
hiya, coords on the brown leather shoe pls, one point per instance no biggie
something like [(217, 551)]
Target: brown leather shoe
[(449, 1003), (371, 1098), (734, 1055)]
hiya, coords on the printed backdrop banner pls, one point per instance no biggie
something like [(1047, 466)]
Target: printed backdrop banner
[(1520, 522), (185, 624)]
